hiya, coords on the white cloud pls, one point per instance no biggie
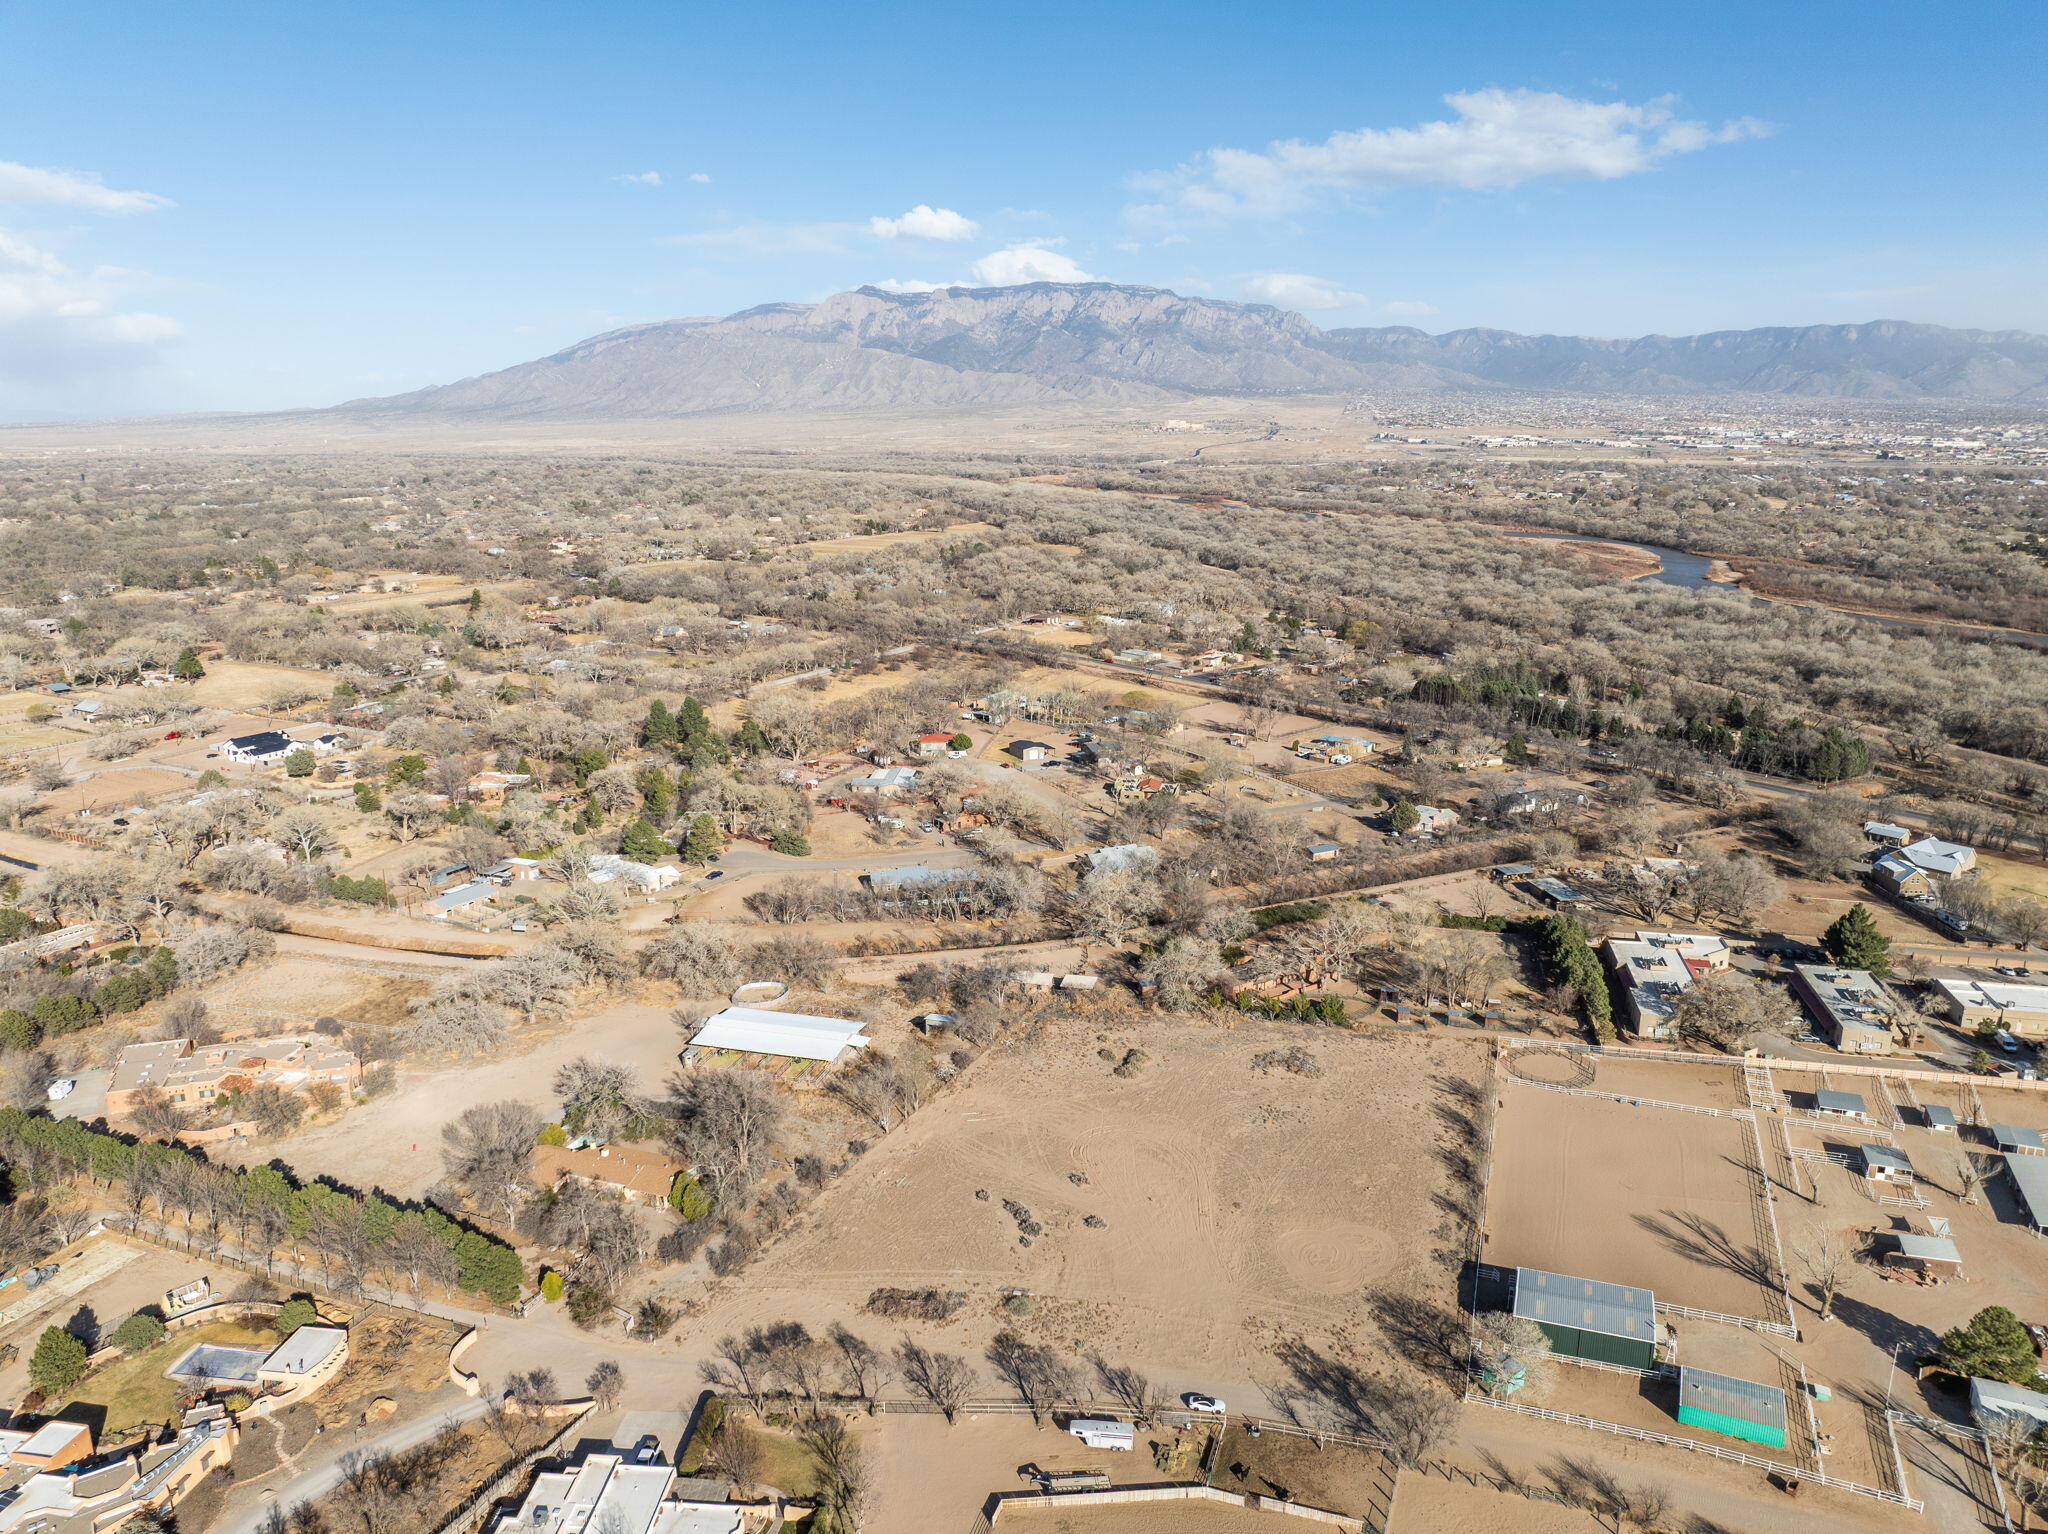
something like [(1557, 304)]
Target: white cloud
[(71, 189), (1297, 290), (909, 285), (57, 325), (1025, 263), (1497, 139), (757, 238), (1410, 307), (700, 178), (641, 178), (925, 222)]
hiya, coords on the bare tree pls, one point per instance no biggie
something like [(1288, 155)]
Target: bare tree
[(1824, 1259), (727, 1120), (606, 1383), (944, 1379), (1136, 1393), (1041, 1378), (863, 1368), (485, 1152)]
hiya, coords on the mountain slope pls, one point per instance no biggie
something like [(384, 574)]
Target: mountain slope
[(1048, 342)]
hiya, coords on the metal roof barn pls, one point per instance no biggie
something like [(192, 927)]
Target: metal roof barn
[(1739, 1408), (794, 1035), (1839, 1102), (2014, 1137), (2030, 1176), (1585, 1318)]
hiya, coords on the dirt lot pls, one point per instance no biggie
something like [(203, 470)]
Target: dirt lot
[(103, 1277), (1219, 1238), (1645, 1196), (1431, 1505), (249, 684), (296, 991), (1152, 1518), (116, 790)]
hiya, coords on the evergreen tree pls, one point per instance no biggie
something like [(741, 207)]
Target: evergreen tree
[(703, 843), (299, 763), (691, 719), (961, 742), (660, 728), (642, 842), (1993, 1345), (1404, 817), (748, 739), (368, 800), (1854, 942), (294, 1313), (476, 599), (658, 794), (58, 1362), (345, 694), (686, 1196), (791, 844), (447, 687), (614, 587), (186, 667)]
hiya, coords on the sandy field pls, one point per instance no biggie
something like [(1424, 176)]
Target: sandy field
[(296, 991), (117, 790), (1644, 1196), (103, 1277), (1218, 1238), (1429, 1504), (1188, 1517), (250, 684)]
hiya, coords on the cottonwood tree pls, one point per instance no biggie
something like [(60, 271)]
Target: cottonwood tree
[(597, 1098), (842, 1469), (1824, 1259), (1037, 1372), (606, 1383), (693, 958), (863, 1368), (485, 1152), (944, 1379), (726, 1121), (1727, 1010), (1133, 1391)]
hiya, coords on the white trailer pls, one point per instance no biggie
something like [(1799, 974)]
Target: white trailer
[(1097, 1433)]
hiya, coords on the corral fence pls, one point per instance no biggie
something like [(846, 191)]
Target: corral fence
[(1645, 1435)]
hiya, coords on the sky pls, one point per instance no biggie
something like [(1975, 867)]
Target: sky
[(250, 206)]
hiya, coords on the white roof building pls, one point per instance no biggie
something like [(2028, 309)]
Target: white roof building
[(607, 866), (794, 1035), (1123, 855), (1655, 968), (1992, 1399), (605, 1495)]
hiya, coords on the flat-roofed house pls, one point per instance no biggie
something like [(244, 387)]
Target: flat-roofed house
[(640, 1176), (1850, 1006), (2021, 1010)]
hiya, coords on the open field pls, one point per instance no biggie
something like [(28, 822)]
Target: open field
[(1650, 1197), (251, 684), (1217, 1236), (116, 790), (2009, 877), (297, 991), (1182, 1517)]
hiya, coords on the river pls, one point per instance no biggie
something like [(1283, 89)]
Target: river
[(1690, 572)]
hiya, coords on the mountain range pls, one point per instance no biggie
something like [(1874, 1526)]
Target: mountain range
[(1048, 342)]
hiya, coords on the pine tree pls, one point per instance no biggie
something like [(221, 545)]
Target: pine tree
[(748, 739), (1854, 942), (476, 599), (1994, 1345), (703, 843), (691, 719), (58, 1362), (186, 667), (1404, 817), (660, 728), (642, 842), (658, 794), (686, 1196)]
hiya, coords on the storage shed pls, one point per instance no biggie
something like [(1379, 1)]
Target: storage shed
[(1939, 1119), (2030, 1178), (1881, 1163), (1743, 1409), (1841, 1105), (793, 1035), (1586, 1318), (1934, 1256)]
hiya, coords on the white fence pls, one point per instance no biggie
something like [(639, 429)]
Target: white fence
[(1635, 1102), (1775, 1328), (1790, 1472)]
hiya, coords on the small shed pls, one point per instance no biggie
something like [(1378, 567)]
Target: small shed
[(2016, 1139), (1991, 1400), (1840, 1105), (1322, 852), (1883, 1163), (1939, 1119), (1586, 1318), (1933, 1256), (1743, 1409)]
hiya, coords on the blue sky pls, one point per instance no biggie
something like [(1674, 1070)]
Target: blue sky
[(212, 205)]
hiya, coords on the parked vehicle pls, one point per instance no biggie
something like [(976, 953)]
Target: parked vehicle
[(59, 1090), (2007, 1042), (1195, 1401), (647, 1451), (1099, 1433)]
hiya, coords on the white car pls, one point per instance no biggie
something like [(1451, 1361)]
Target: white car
[(59, 1090), (1196, 1401)]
